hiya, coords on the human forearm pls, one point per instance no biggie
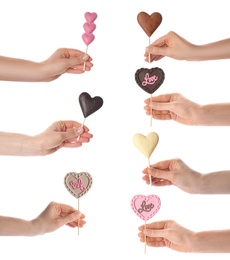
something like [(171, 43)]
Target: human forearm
[(17, 144), (214, 183), (212, 51), (216, 241), (214, 115), (10, 226), (12, 69)]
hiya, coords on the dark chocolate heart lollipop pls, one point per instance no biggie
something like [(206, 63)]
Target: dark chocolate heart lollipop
[(149, 23), (88, 104), (149, 79)]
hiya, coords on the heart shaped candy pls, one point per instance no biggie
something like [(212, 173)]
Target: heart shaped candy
[(89, 27), (88, 38), (149, 79), (145, 207), (90, 17), (146, 144), (78, 184), (88, 104), (149, 23)]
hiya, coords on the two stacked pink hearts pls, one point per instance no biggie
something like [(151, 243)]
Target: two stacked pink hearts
[(89, 27)]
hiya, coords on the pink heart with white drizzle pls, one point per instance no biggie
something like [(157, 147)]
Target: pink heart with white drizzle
[(90, 17), (145, 207)]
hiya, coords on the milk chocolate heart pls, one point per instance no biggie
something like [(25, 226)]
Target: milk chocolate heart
[(149, 79), (88, 104), (78, 184), (146, 144), (149, 23), (145, 207)]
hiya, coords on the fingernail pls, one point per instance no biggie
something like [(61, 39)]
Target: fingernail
[(152, 104), (77, 214), (147, 232), (85, 57), (80, 130)]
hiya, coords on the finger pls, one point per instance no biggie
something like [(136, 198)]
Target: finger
[(163, 165), (154, 225), (157, 243)]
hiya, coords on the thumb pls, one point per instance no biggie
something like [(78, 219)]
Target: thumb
[(154, 233), (161, 174), (156, 50), (160, 105), (72, 133), (78, 60), (71, 217)]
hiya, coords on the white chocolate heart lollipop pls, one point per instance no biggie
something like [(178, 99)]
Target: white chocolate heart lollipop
[(146, 145)]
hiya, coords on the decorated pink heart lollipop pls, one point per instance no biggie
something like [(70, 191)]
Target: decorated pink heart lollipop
[(145, 207), (88, 37)]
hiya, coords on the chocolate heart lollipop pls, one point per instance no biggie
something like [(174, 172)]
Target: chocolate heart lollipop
[(149, 23), (88, 104), (88, 37), (145, 207), (149, 79), (146, 144), (78, 184)]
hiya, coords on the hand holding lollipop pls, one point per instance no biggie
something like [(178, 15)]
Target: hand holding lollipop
[(145, 207)]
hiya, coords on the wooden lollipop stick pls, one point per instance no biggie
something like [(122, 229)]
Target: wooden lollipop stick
[(78, 221), (150, 177), (85, 53), (151, 113), (149, 53), (145, 241), (81, 127)]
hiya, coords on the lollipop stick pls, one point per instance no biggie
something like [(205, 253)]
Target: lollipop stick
[(85, 61), (80, 128), (151, 112), (150, 177), (149, 53), (78, 221), (145, 240)]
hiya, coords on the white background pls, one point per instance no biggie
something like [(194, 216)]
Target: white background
[(34, 30)]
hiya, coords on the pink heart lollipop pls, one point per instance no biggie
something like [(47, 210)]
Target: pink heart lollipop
[(88, 38), (89, 27), (145, 207), (90, 17)]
